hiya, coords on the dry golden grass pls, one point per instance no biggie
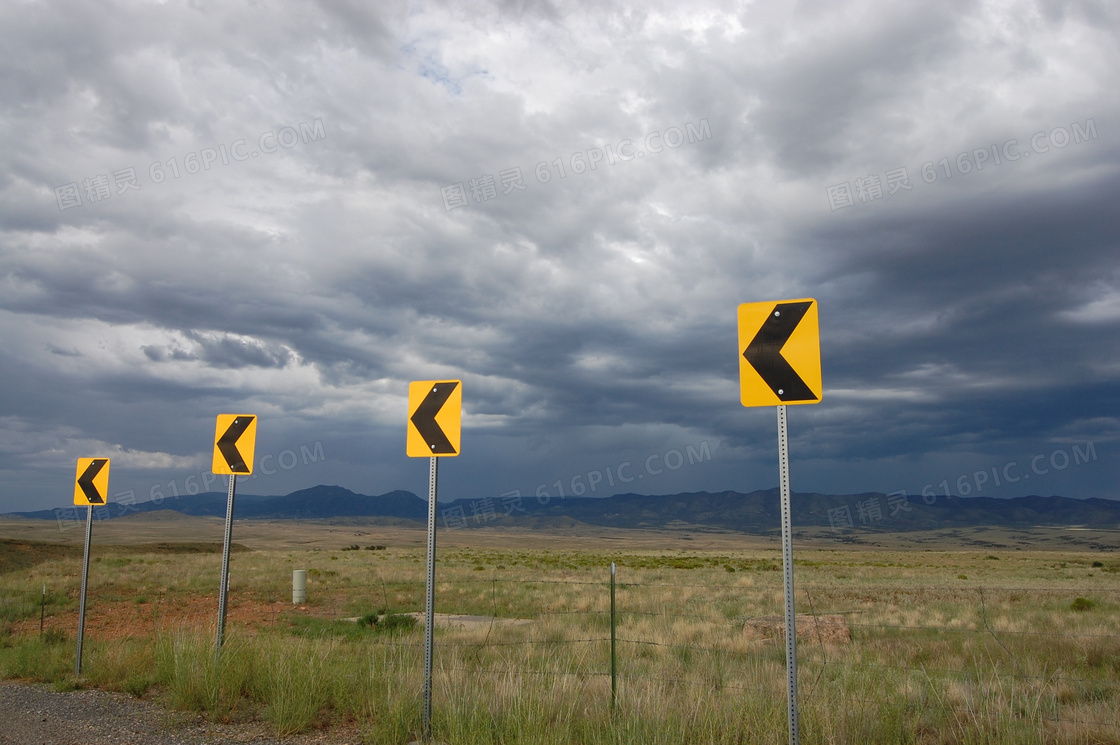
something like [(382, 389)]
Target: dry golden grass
[(1000, 656)]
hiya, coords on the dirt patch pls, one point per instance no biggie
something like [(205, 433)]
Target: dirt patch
[(131, 619), (810, 629)]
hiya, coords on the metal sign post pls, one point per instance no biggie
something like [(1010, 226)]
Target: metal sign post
[(787, 568), (614, 666), (435, 410), (779, 364), (430, 598), (235, 442), (91, 485), (223, 592), (82, 602)]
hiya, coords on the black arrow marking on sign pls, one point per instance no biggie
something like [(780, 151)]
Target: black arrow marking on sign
[(227, 444), (765, 353), (86, 480), (424, 418)]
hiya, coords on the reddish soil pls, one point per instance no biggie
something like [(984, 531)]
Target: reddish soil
[(117, 620)]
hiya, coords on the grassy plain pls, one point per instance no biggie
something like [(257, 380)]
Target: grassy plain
[(955, 637)]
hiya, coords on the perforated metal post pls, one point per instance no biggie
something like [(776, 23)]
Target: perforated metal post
[(82, 603), (224, 591), (429, 612), (787, 567), (614, 666)]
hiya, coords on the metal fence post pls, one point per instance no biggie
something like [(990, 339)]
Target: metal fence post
[(614, 663)]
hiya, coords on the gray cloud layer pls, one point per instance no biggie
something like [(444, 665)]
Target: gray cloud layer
[(290, 252)]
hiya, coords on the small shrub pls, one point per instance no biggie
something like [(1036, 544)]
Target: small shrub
[(384, 621), (397, 622), (52, 637), (1082, 604), (962, 576), (1098, 564)]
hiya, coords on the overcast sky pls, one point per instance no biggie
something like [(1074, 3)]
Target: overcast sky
[(293, 210)]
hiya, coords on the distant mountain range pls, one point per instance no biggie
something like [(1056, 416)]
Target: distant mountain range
[(756, 512)]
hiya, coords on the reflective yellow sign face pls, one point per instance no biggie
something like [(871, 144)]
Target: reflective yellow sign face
[(235, 442), (779, 353), (435, 409), (91, 482)]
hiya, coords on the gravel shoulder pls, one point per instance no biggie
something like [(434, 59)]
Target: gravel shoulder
[(34, 714)]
